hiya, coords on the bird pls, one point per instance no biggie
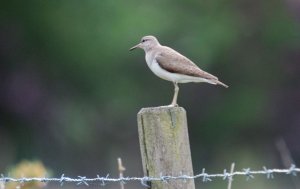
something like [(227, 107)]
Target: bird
[(172, 66)]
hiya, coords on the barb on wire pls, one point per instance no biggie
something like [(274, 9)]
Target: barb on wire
[(292, 170), (145, 181), (82, 181), (183, 177), (205, 176), (62, 179), (248, 174), (268, 172)]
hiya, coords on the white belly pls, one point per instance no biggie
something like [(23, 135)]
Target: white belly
[(173, 77)]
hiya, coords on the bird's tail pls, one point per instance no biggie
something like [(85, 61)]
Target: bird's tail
[(217, 82)]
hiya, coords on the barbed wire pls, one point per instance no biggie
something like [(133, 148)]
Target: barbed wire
[(248, 173)]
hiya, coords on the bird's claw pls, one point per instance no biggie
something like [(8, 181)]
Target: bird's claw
[(173, 105), (170, 106)]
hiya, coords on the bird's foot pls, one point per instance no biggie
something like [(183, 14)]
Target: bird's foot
[(173, 105), (169, 106)]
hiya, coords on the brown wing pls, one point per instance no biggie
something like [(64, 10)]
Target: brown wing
[(174, 62)]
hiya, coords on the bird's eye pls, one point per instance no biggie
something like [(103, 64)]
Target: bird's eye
[(144, 40)]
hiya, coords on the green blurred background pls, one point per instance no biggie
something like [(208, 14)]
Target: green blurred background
[(70, 89)]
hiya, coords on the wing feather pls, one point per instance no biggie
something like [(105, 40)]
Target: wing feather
[(174, 62)]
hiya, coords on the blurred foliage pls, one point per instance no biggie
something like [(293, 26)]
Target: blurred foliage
[(29, 169), (70, 90)]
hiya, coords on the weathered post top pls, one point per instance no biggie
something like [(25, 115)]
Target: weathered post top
[(165, 147)]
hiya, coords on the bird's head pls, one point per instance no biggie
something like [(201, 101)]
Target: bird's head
[(147, 43)]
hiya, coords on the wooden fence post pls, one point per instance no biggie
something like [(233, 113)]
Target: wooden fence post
[(165, 147)]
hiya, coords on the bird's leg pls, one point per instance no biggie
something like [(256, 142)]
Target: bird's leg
[(176, 90)]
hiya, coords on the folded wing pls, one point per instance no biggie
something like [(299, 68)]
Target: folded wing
[(174, 62)]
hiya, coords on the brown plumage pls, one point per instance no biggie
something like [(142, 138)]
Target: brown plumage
[(175, 62)]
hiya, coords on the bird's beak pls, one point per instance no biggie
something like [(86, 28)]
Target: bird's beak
[(134, 47)]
